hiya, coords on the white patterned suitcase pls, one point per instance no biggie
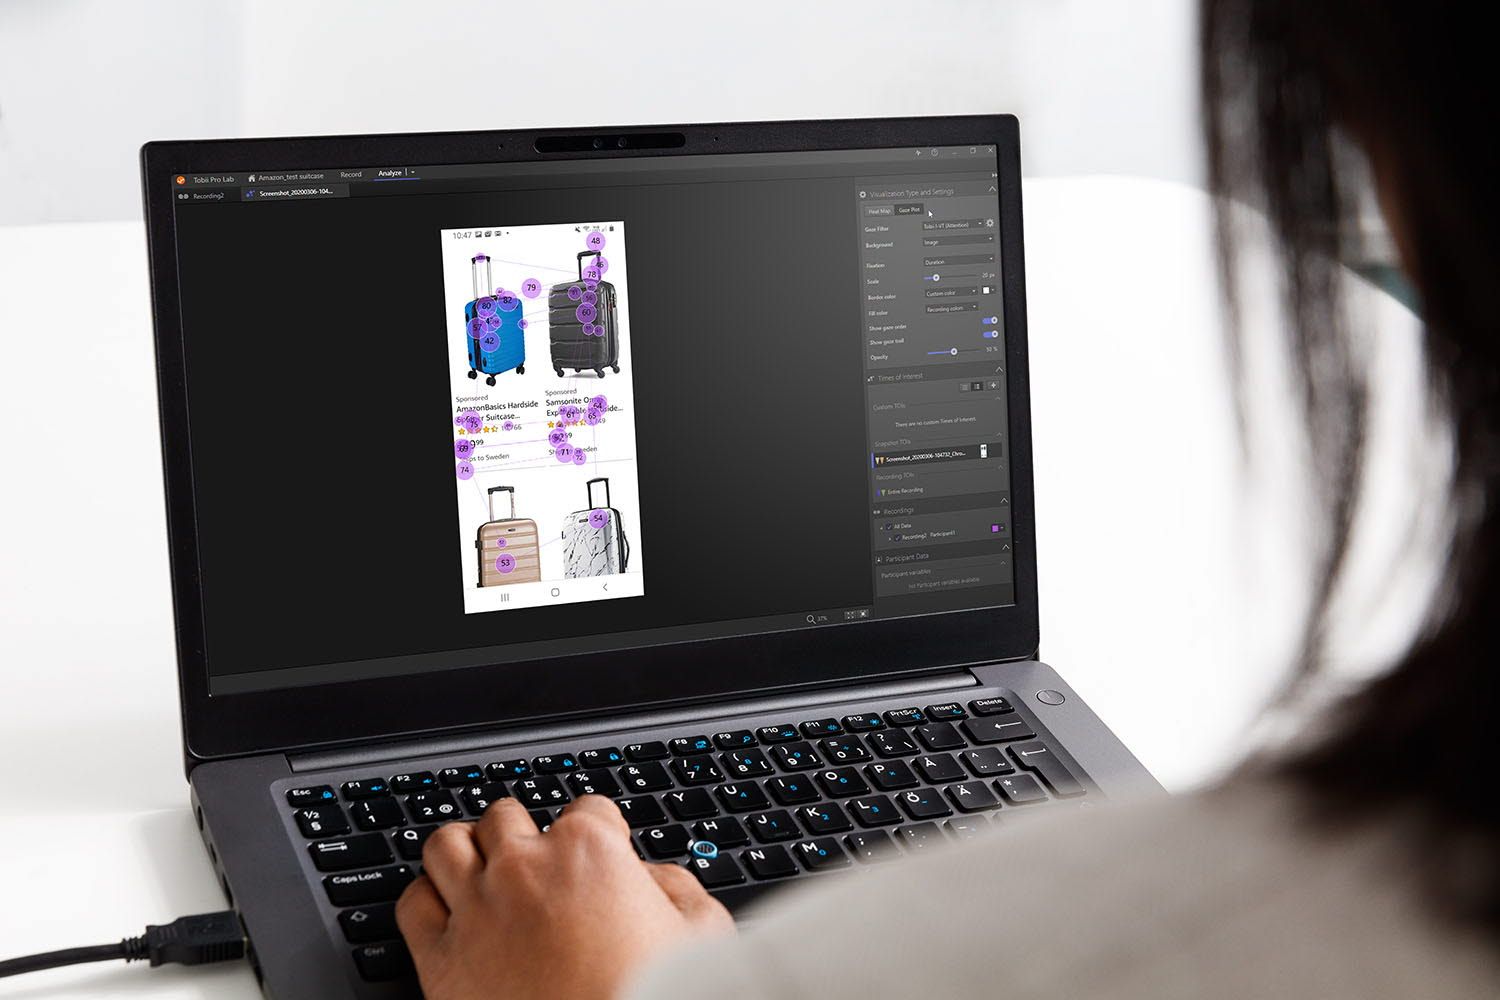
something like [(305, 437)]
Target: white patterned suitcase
[(594, 542)]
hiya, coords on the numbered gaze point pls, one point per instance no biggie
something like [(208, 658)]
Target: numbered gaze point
[(476, 327), (590, 283), (499, 543), (579, 456), (593, 417), (585, 313), (601, 264), (507, 302), (489, 342), (522, 324), (569, 412), (590, 297), (465, 470), (470, 421), (575, 292), (565, 453), (485, 305), (594, 241), (505, 562), (509, 425), (599, 402), (531, 288), (592, 274), (492, 322), (598, 519), (463, 448), (557, 438)]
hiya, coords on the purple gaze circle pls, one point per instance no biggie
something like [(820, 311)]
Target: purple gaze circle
[(463, 448), (590, 297), (599, 402), (565, 453), (508, 302), (557, 438), (484, 305), (470, 421), (575, 292), (579, 456), (476, 328), (601, 264), (465, 470), (489, 341), (509, 425), (492, 322), (499, 543), (531, 288), (522, 324), (585, 313), (592, 274), (593, 417), (598, 518), (594, 241), (505, 562)]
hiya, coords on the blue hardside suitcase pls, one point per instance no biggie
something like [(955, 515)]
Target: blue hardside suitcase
[(493, 326)]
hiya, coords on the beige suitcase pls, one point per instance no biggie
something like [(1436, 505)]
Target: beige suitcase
[(507, 546)]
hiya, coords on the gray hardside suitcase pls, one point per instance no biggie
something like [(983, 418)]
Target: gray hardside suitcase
[(573, 346)]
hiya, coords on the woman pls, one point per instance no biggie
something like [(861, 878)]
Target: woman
[(1364, 864)]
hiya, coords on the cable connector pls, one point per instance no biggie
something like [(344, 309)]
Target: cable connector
[(194, 940)]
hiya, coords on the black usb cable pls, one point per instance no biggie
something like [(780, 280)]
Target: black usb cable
[(195, 940)]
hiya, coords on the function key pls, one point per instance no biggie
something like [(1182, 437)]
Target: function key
[(991, 706), (366, 788), (453, 777), (684, 746), (365, 850), (508, 770), (736, 740), (655, 750), (377, 814), (778, 734), (863, 722), (417, 781), (947, 710), (323, 819), (602, 757), (905, 717), (822, 727), (997, 730), (554, 763), (310, 795), (821, 853)]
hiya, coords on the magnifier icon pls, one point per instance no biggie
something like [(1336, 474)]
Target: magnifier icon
[(810, 620)]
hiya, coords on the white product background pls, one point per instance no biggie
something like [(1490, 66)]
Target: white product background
[(546, 490)]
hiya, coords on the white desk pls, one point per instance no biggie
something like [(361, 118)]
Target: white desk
[(1145, 605)]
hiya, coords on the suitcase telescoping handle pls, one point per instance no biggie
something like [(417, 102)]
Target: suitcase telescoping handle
[(494, 514), (478, 259), (582, 254), (590, 487)]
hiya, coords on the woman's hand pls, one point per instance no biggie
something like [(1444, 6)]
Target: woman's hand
[(503, 910)]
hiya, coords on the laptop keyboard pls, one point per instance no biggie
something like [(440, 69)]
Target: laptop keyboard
[(742, 809)]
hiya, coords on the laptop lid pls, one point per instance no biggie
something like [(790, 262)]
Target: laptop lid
[(462, 430)]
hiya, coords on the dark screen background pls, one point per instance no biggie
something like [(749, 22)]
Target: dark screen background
[(321, 415)]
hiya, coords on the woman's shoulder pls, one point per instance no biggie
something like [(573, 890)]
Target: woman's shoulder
[(1232, 892)]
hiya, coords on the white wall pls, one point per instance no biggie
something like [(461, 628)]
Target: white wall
[(1103, 87)]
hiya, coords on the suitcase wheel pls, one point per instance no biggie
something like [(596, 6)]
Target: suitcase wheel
[(473, 373), (559, 372), (520, 369), (615, 369), (490, 380), (599, 372)]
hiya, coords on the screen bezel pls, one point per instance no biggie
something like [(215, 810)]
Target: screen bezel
[(349, 712)]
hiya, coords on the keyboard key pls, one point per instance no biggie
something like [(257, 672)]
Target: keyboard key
[(357, 888), (310, 795), (796, 756), (966, 827), (540, 792), (821, 853), (844, 750), (377, 814), (769, 862), (595, 782), (821, 727), (543, 818), (554, 763), (432, 807), (919, 836), (366, 788), (792, 790), (736, 740), (408, 842), (1020, 789), (769, 827), (643, 810), (687, 746), (905, 717), (939, 767), (665, 841), (839, 782), (947, 710), (478, 798), (655, 750), (825, 817), (363, 850), (892, 743), (890, 775), (646, 777), (746, 763), (690, 803), (744, 796), (997, 730), (602, 757), (725, 832), (323, 819), (378, 963), (369, 923), (697, 770), (986, 761), (862, 723), (991, 706), (778, 734), (939, 736), (716, 872), (457, 777), (971, 796), (923, 803), (508, 770), (874, 810), (872, 846), (1037, 757), (417, 781)]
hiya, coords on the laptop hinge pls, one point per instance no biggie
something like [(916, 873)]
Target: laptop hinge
[(318, 760)]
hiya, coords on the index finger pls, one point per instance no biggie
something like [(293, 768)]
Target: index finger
[(506, 820)]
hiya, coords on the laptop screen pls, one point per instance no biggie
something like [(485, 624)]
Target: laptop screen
[(450, 416)]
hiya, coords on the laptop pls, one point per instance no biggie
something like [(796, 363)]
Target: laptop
[(685, 465)]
